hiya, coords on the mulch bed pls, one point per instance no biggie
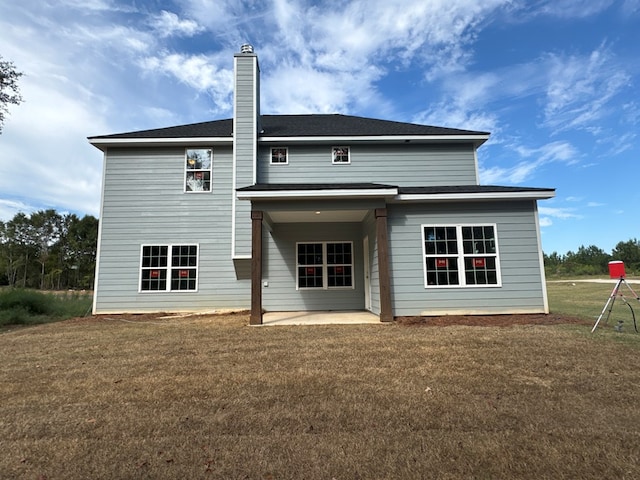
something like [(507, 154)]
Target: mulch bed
[(491, 320)]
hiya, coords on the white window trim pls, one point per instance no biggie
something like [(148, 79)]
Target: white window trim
[(333, 162), (461, 256), (169, 267), (325, 269), (210, 170), (286, 162)]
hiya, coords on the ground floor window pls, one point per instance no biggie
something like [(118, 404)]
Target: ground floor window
[(169, 268), (324, 265), (460, 255)]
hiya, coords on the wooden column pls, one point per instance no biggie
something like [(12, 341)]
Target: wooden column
[(256, 268), (386, 312)]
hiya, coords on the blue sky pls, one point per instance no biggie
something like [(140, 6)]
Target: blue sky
[(555, 81)]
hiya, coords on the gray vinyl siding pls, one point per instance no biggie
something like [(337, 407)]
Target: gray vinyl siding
[(245, 131), (279, 262), (369, 229), (522, 286), (145, 203), (400, 165)]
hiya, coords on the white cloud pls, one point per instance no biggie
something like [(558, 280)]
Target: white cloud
[(631, 7), (168, 24), (572, 8), (533, 160), (60, 168), (548, 214), (9, 209), (581, 89), (457, 116), (556, 212), (199, 72), (335, 47)]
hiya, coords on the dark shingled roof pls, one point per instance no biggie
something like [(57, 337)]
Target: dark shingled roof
[(456, 189), (312, 125), (277, 187)]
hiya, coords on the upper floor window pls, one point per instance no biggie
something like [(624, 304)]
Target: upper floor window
[(279, 156), (340, 155), (460, 255), (198, 165)]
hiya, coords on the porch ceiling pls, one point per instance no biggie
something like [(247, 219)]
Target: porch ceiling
[(317, 216)]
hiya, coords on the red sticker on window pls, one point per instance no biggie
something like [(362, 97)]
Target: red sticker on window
[(311, 270), (338, 269), (479, 262), (154, 274), (184, 273), (442, 262)]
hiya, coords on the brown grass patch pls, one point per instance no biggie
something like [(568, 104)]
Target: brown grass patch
[(209, 397), (491, 320)]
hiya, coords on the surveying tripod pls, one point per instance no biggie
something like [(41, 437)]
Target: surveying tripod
[(612, 299)]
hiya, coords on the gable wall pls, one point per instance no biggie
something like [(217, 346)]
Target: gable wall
[(144, 203), (400, 165), (522, 285)]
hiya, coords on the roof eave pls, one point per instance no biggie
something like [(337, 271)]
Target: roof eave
[(477, 140), (470, 196), (104, 142)]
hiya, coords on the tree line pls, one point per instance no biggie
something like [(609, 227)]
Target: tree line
[(592, 260), (47, 250)]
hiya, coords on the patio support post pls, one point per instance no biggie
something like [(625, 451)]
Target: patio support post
[(386, 313), (256, 268)]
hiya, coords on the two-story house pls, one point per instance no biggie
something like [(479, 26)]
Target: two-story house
[(311, 212)]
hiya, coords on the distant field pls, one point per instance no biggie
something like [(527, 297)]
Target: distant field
[(586, 300)]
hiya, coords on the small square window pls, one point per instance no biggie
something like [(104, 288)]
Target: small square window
[(279, 156), (340, 155)]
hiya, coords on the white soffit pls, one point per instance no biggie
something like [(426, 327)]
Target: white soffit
[(314, 216)]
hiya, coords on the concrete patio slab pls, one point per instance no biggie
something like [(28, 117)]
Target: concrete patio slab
[(350, 317)]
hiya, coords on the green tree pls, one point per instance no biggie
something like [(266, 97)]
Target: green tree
[(48, 250), (46, 228), (78, 250), (629, 253), (9, 90)]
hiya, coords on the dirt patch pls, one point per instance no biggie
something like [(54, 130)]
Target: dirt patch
[(491, 320), (412, 321)]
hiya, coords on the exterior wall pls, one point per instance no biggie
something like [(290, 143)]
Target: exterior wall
[(369, 230), (279, 260), (399, 164), (522, 283), (144, 203), (246, 109)]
